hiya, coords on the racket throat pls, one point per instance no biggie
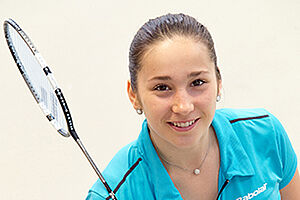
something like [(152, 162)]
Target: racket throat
[(67, 113)]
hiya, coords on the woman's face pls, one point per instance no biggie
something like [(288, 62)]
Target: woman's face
[(177, 89)]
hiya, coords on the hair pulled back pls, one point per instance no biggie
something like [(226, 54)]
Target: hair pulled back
[(161, 28)]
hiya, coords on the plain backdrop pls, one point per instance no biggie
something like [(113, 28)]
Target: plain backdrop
[(86, 44)]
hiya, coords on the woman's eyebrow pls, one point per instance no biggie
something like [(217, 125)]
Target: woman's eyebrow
[(166, 78), (160, 78), (197, 73)]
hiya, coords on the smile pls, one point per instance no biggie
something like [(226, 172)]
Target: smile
[(183, 126)]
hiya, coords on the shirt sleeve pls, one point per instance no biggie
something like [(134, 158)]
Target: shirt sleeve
[(287, 154)]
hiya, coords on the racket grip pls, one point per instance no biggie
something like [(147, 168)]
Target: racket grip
[(67, 113)]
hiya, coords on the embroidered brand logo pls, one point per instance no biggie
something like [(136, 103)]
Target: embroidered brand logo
[(255, 193)]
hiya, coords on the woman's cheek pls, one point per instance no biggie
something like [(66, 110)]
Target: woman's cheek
[(206, 98), (151, 104)]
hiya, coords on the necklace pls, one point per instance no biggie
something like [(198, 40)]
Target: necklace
[(195, 171)]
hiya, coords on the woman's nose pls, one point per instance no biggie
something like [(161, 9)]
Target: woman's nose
[(182, 104)]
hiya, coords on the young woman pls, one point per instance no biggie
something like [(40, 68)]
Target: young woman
[(187, 149)]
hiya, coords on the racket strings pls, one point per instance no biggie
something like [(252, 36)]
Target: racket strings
[(36, 79)]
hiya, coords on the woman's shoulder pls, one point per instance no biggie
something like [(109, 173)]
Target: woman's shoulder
[(264, 139), (255, 121), (237, 113), (250, 117), (256, 130)]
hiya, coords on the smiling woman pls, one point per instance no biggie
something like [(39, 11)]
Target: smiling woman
[(179, 76), (187, 149)]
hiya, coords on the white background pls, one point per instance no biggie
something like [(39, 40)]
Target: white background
[(86, 45)]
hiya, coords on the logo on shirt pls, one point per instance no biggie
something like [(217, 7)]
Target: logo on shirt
[(255, 193)]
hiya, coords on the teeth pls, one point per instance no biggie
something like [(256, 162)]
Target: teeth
[(183, 125)]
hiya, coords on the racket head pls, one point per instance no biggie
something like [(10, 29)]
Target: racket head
[(36, 74)]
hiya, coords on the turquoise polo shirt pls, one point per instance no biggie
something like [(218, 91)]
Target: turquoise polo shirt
[(257, 160)]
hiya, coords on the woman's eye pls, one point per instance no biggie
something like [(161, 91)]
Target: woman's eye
[(197, 82), (161, 88)]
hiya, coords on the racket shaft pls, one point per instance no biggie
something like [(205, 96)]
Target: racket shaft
[(112, 195)]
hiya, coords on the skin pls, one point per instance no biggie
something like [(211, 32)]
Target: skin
[(177, 84), (292, 190)]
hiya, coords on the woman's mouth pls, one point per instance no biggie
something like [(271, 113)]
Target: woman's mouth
[(183, 125)]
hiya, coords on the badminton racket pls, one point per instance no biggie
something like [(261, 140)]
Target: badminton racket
[(43, 86)]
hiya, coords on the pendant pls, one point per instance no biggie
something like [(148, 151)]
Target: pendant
[(196, 171)]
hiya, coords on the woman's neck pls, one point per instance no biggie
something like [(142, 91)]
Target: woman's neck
[(190, 157)]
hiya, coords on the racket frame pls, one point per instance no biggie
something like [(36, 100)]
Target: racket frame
[(43, 65), (57, 90)]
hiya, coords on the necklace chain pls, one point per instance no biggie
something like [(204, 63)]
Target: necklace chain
[(195, 171)]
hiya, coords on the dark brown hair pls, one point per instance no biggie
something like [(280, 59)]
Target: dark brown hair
[(167, 26)]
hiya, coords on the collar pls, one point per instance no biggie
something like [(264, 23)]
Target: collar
[(163, 186), (234, 160)]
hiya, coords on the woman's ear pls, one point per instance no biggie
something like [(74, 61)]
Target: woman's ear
[(133, 96), (219, 87)]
